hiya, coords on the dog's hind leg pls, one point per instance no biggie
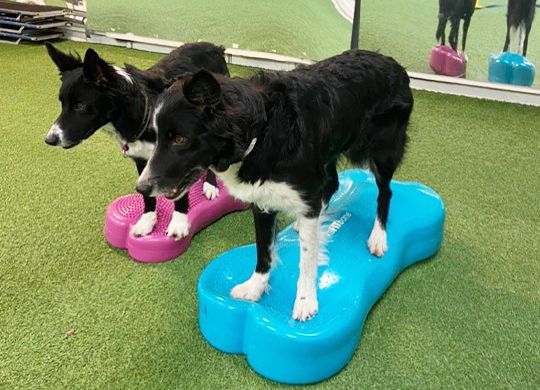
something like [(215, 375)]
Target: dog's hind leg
[(526, 42), (147, 221), (441, 27), (454, 32), (387, 150), (522, 34), (507, 40), (528, 24), (265, 232), (466, 23)]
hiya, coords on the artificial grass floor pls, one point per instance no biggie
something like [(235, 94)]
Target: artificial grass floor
[(468, 318)]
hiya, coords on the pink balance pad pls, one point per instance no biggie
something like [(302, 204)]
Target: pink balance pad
[(446, 61), (156, 247)]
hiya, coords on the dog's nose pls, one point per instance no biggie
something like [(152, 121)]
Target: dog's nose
[(144, 188), (52, 139)]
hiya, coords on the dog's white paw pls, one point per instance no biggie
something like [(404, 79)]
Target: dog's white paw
[(210, 191), (145, 224), (252, 289), (179, 226), (377, 243), (306, 304), (295, 226)]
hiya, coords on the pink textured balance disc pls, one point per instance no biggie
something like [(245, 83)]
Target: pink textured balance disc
[(446, 61), (126, 210)]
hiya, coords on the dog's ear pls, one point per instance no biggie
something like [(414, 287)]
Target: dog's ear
[(96, 70), (202, 89), (62, 60), (153, 80)]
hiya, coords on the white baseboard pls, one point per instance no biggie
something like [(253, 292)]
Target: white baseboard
[(255, 59)]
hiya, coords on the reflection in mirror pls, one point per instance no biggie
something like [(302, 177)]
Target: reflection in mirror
[(460, 38)]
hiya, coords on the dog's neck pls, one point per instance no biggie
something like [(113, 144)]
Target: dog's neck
[(133, 120)]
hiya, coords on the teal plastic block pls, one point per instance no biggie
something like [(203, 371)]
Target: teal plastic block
[(511, 68)]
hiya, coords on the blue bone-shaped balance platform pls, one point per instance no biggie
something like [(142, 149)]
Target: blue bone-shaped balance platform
[(511, 68), (289, 351)]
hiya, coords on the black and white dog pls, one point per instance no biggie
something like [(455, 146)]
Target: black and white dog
[(454, 10), (519, 16), (275, 139), (94, 93)]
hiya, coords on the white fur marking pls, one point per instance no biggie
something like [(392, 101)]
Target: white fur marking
[(268, 196), (179, 226), (140, 149), (377, 240), (56, 130), (123, 73), (253, 288), (522, 33), (210, 191), (306, 304), (512, 32), (145, 224), (154, 118)]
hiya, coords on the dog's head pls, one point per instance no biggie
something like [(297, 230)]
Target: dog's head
[(86, 94), (192, 135)]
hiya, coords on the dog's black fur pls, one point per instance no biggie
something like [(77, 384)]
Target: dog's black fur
[(357, 103), (94, 93), (454, 10), (520, 15)]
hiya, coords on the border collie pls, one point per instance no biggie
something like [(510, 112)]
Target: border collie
[(275, 140), (520, 16), (94, 93), (454, 10)]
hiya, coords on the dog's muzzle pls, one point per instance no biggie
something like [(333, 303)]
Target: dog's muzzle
[(54, 136)]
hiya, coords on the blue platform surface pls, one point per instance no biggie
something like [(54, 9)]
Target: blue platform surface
[(511, 68), (284, 350)]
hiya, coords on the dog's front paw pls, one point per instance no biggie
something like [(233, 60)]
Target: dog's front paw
[(377, 243), (306, 304), (145, 224), (210, 191), (179, 226), (252, 289)]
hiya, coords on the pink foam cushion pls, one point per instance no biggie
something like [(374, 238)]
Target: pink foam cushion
[(156, 247), (446, 61)]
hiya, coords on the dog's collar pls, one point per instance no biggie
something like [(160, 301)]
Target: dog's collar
[(250, 147), (124, 147), (146, 119)]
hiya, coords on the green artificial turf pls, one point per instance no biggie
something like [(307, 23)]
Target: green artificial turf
[(468, 318), (301, 28)]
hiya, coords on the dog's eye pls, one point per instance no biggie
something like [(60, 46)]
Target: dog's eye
[(179, 140), (79, 107)]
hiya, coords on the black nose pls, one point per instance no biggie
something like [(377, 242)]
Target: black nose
[(52, 139), (144, 188)]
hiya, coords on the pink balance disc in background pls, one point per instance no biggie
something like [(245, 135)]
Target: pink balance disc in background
[(446, 61), (156, 247)]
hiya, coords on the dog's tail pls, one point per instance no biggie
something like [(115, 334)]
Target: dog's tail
[(385, 132)]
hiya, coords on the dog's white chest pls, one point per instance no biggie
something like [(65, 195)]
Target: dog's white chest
[(138, 149), (267, 196)]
